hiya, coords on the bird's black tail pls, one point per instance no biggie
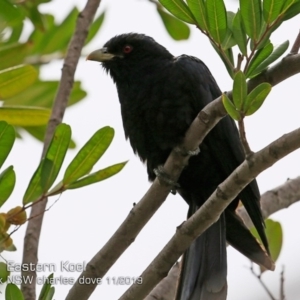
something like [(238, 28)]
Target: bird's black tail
[(204, 270), (239, 237)]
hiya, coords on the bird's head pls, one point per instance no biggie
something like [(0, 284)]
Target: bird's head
[(127, 53)]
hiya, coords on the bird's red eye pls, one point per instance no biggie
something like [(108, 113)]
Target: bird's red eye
[(127, 49)]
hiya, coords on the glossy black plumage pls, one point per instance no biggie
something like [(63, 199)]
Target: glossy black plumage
[(160, 95)]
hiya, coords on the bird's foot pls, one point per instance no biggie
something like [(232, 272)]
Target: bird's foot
[(187, 153), (164, 178)]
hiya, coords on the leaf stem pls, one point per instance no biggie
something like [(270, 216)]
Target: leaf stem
[(243, 138), (261, 282), (256, 44), (219, 47)]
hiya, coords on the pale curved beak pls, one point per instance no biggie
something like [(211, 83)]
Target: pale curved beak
[(100, 55)]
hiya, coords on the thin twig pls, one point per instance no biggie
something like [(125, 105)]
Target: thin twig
[(296, 46), (243, 138), (47, 209), (257, 43), (258, 276), (282, 295), (31, 241), (239, 62)]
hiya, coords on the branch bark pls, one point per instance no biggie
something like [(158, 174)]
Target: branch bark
[(271, 201), (166, 289), (31, 240), (210, 212), (276, 199), (155, 196)]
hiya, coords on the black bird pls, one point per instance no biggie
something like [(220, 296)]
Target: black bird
[(160, 95)]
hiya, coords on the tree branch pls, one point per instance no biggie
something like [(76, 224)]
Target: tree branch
[(276, 199), (287, 67), (210, 211), (271, 201), (155, 196), (296, 46), (31, 240), (166, 288)]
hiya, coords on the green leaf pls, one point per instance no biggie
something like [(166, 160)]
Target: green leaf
[(50, 294), (251, 17), (239, 34), (32, 12), (271, 10), (55, 155), (97, 176), (35, 189), (287, 4), (275, 238), (239, 92), (7, 184), (274, 27), (16, 32), (49, 167), (179, 9), (4, 272), (46, 289), (230, 108), (88, 155), (11, 14), (258, 58), (16, 79), (24, 116), (176, 28), (229, 40), (37, 36), (277, 52), (13, 54), (39, 133), (12, 292), (274, 235), (228, 61), (42, 93), (229, 55), (256, 98), (217, 19), (58, 38), (7, 139), (292, 11), (198, 9), (11, 248), (264, 36), (94, 29), (43, 1)]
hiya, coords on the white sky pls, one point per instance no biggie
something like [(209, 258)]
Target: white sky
[(81, 222)]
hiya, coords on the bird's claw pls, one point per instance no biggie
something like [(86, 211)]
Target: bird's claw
[(187, 153), (164, 177), (194, 152)]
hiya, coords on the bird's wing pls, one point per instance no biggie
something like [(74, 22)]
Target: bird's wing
[(223, 141), (227, 150)]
